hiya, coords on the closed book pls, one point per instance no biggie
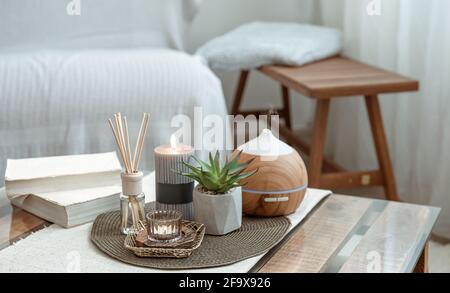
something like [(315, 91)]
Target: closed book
[(65, 190)]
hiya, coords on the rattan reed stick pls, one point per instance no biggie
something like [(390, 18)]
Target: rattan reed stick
[(146, 118), (128, 144), (138, 139), (122, 137), (116, 136), (121, 141)]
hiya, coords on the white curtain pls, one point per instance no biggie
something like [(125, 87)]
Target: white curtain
[(411, 37)]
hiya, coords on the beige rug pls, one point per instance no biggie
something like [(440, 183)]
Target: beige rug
[(59, 250)]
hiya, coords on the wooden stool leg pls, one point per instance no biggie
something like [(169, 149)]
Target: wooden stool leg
[(318, 143), (286, 107), (381, 146), (239, 92)]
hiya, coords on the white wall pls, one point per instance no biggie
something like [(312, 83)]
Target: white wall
[(219, 16)]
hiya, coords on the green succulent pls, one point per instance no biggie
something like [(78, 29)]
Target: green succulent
[(216, 178)]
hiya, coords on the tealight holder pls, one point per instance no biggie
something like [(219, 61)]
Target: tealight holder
[(164, 226)]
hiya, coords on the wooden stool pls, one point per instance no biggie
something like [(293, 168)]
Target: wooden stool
[(322, 81)]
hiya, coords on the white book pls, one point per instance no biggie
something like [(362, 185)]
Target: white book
[(66, 190)]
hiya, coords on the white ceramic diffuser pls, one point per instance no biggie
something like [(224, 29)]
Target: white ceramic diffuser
[(280, 184)]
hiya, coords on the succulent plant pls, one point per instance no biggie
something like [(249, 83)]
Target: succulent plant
[(215, 178)]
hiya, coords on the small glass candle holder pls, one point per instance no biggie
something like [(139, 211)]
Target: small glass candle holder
[(164, 226)]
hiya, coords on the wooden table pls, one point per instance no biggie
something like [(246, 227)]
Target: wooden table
[(342, 234), (324, 81)]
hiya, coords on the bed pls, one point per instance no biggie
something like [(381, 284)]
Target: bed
[(56, 96)]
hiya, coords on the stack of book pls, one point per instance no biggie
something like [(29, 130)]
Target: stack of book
[(65, 190)]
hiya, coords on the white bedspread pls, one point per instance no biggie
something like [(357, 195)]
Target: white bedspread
[(58, 102)]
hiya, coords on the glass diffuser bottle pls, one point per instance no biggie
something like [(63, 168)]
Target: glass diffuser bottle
[(132, 202), (132, 199)]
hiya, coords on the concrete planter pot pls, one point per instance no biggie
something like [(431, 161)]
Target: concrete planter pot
[(221, 213)]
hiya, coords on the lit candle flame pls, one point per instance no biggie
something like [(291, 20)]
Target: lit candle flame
[(173, 142)]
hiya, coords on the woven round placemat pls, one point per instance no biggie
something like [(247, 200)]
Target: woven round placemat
[(256, 236)]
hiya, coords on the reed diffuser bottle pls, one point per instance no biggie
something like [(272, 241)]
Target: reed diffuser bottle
[(132, 202), (132, 199)]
